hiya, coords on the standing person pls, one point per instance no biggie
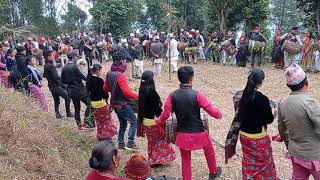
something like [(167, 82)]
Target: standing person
[(106, 128), (29, 45), (88, 50), (156, 51), (191, 134), (72, 78), (292, 36), (63, 50), (173, 53), (136, 51), (213, 50), (299, 124), (55, 86), (150, 106), (257, 44), (228, 57), (243, 50), (308, 48), (104, 161), (191, 49), (255, 114), (35, 83), (2, 55), (21, 82), (4, 79), (117, 84), (277, 52), (200, 41), (10, 60)]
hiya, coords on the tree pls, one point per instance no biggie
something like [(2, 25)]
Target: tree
[(286, 14), (117, 16), (312, 10), (74, 19)]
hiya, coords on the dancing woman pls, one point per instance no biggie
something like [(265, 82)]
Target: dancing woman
[(255, 114), (106, 128), (308, 47), (159, 151), (35, 84)]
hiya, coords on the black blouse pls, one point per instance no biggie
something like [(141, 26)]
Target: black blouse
[(95, 88), (255, 115)]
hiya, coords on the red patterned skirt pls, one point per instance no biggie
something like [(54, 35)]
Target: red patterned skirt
[(37, 93), (4, 80), (159, 151), (106, 128), (257, 161)]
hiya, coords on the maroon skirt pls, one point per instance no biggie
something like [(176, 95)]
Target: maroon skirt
[(106, 127), (159, 150)]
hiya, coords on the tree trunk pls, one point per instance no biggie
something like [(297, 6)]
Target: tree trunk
[(223, 16), (318, 16)]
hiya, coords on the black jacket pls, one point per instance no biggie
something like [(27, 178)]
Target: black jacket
[(21, 64), (137, 52), (51, 74), (72, 77)]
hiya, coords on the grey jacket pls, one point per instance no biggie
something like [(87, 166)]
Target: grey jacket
[(299, 123)]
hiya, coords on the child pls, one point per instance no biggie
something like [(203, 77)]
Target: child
[(191, 133), (159, 151), (101, 110), (104, 160), (35, 84)]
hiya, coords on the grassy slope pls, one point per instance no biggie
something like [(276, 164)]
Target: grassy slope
[(33, 145)]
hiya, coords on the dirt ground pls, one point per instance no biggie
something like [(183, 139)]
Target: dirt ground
[(218, 83)]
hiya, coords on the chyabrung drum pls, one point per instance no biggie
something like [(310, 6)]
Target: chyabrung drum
[(227, 46), (172, 126), (291, 47)]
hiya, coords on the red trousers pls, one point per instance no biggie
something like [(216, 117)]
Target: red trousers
[(186, 161)]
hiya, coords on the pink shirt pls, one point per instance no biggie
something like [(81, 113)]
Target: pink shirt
[(191, 141)]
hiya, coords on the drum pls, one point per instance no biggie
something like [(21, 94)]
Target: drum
[(227, 46), (191, 50), (172, 126), (291, 47), (100, 45), (317, 46), (36, 52), (182, 46), (256, 45)]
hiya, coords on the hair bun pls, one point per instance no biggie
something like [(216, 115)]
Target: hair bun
[(94, 163)]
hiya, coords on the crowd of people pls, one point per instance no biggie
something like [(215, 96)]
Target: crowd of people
[(82, 81)]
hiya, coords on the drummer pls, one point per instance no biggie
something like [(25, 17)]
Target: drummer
[(191, 134), (293, 36), (226, 57), (257, 42)]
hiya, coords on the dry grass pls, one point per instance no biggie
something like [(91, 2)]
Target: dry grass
[(37, 146)]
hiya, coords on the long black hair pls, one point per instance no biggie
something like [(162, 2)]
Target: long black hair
[(256, 76), (146, 87)]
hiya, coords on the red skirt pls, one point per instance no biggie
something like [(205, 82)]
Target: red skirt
[(4, 80), (106, 128), (257, 161), (159, 150)]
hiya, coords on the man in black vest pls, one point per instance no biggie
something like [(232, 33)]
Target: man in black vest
[(72, 78), (191, 132)]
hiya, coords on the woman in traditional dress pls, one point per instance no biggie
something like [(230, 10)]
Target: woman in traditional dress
[(308, 47), (4, 80), (159, 151), (255, 114), (277, 53), (243, 50), (106, 128), (35, 84), (104, 161)]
